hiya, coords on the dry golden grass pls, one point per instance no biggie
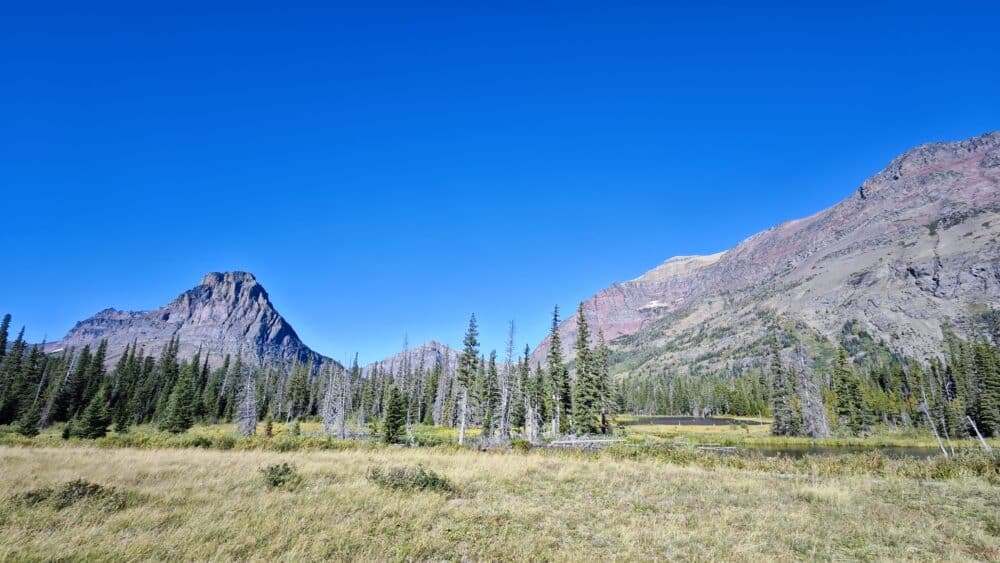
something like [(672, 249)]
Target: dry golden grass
[(202, 504)]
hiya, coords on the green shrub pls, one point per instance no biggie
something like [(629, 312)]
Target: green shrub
[(225, 442), (281, 475), (520, 445), (409, 478)]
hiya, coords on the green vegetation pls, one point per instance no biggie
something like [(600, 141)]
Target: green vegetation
[(409, 478), (281, 475)]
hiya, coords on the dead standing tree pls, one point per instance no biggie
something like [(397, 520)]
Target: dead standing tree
[(246, 413)]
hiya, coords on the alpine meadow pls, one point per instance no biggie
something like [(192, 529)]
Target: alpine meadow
[(441, 198)]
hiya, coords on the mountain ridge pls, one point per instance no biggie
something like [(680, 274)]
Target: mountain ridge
[(228, 313), (929, 186)]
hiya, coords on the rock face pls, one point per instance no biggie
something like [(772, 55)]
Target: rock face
[(227, 313), (915, 248), (425, 356)]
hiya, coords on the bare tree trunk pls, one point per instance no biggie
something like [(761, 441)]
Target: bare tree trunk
[(441, 395), (246, 424), (345, 397), (506, 377), (555, 413), (980, 436), (464, 415)]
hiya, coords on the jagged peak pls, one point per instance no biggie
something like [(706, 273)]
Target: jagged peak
[(928, 156), (219, 278)]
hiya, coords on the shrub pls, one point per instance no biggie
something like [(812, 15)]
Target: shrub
[(520, 445), (409, 478), (73, 492), (281, 475), (225, 442)]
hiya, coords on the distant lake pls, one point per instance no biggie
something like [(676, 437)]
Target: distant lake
[(893, 452), (690, 421)]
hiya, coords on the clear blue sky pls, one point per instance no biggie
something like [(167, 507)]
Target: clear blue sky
[(386, 169)]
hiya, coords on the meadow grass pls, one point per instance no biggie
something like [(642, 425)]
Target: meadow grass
[(209, 504)]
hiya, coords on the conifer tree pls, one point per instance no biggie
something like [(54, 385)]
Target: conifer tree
[(987, 368), (561, 396), (394, 423), (27, 425), (489, 398), (586, 394), (94, 420), (602, 376), (181, 404), (298, 391), (4, 328), (850, 401), (468, 363), (782, 409), (10, 374)]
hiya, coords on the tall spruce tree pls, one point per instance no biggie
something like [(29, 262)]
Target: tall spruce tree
[(468, 364), (602, 377), (489, 396), (850, 400), (782, 397), (394, 422), (987, 369), (181, 404), (4, 328), (27, 425), (586, 394), (94, 420), (562, 397)]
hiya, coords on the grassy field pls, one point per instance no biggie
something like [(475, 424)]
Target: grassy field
[(204, 504), (201, 495)]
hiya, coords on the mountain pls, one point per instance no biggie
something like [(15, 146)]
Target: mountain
[(914, 249), (227, 313), (427, 355)]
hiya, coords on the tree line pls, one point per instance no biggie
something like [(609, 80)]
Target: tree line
[(503, 398), (956, 396)]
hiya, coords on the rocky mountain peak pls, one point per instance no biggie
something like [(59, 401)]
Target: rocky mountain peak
[(228, 313), (933, 159), (914, 249)]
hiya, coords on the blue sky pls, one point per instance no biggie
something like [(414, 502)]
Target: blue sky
[(387, 169)]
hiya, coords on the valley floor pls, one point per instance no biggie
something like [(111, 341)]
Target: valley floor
[(206, 504)]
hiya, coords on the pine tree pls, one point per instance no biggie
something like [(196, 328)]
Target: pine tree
[(10, 369), (987, 369), (586, 395), (468, 363), (298, 390), (489, 398), (394, 423), (851, 411), (562, 397), (4, 328), (27, 425), (781, 397), (181, 404), (602, 377), (94, 420)]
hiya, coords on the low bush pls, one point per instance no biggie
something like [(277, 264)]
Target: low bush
[(410, 478), (73, 492), (520, 445), (281, 475)]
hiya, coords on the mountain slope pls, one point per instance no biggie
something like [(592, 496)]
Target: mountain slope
[(425, 356), (227, 313), (913, 249)]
